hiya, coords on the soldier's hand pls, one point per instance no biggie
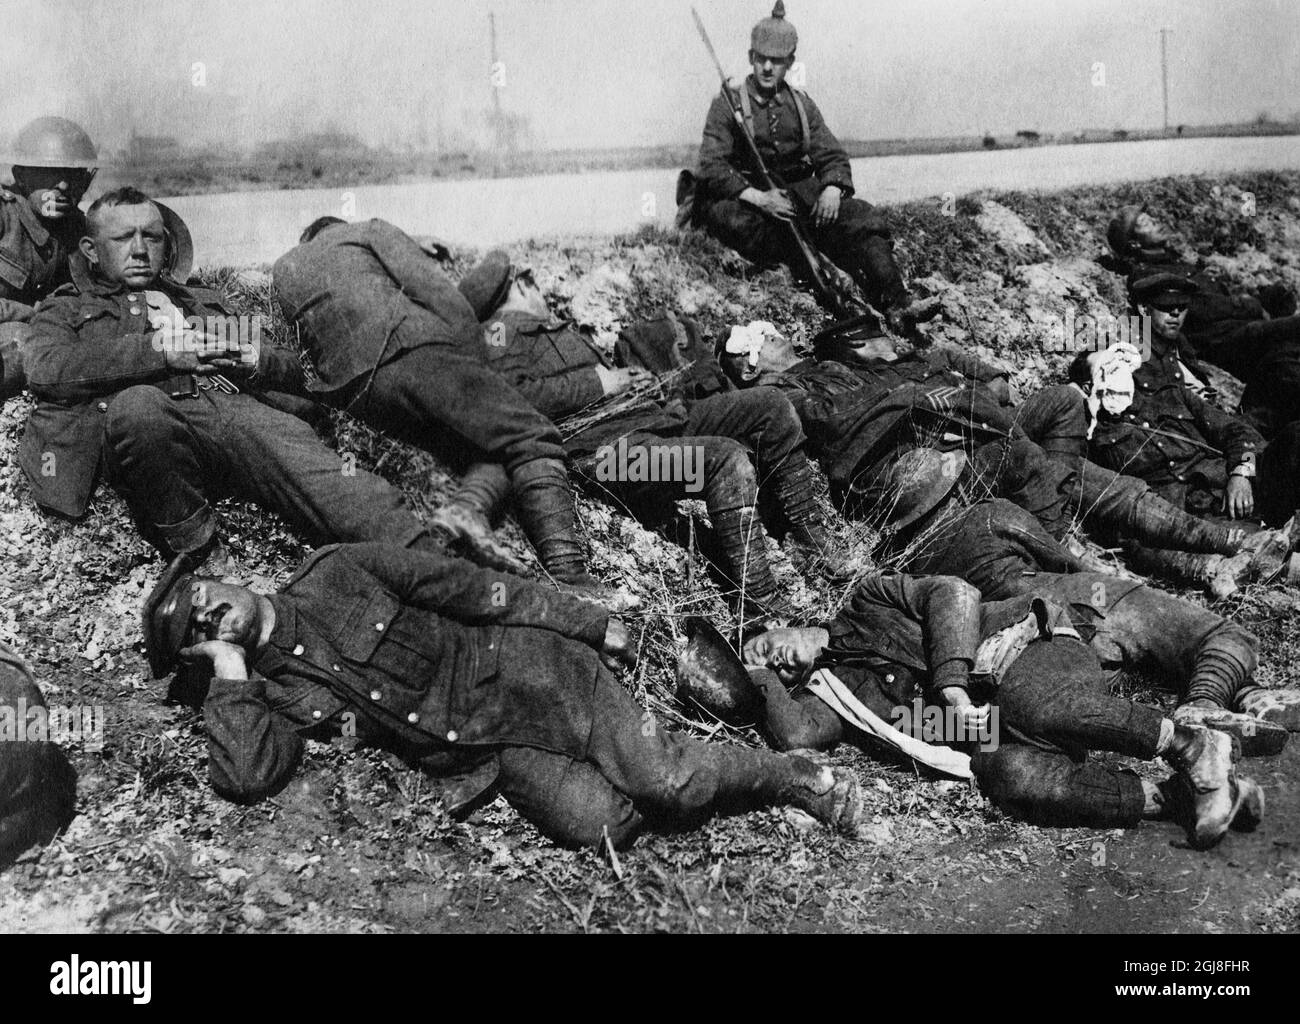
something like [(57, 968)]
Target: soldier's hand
[(1239, 498), (774, 203), (228, 660), (616, 380), (619, 648), (827, 210)]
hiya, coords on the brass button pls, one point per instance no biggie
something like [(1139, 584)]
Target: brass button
[(297, 651), (379, 627), (889, 678), (135, 310), (453, 736), (133, 297), (375, 694), (318, 714), (103, 407), (413, 717)]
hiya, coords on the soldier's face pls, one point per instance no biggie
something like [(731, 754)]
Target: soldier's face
[(769, 72), (1167, 318), (53, 192), (222, 611), (127, 244), (790, 653)]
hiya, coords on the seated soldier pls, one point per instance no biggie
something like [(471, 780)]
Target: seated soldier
[(392, 342), (1004, 552), (859, 428), (38, 787), (1254, 337), (813, 180), (903, 638), (487, 681), (693, 410), (40, 226), (134, 376), (1149, 422)]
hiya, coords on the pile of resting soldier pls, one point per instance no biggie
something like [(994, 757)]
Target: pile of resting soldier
[(432, 640)]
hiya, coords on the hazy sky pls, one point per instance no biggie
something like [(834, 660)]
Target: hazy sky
[(606, 73)]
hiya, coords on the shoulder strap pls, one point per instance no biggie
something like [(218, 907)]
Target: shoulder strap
[(746, 108), (803, 119)]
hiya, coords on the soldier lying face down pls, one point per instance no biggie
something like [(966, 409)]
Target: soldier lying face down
[(487, 682), (904, 638)]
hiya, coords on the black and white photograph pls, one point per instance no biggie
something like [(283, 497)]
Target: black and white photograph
[(547, 467)]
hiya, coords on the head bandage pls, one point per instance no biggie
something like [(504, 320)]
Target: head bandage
[(748, 341)]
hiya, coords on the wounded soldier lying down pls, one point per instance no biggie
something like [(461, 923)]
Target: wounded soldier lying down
[(485, 681), (902, 638)]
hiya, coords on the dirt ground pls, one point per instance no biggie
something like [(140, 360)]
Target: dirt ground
[(357, 842)]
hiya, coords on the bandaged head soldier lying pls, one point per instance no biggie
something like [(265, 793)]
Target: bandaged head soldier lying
[(488, 682), (1010, 693)]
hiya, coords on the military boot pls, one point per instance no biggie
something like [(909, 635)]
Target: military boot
[(809, 543), (1204, 760), (743, 543), (1220, 575), (1280, 707), (1269, 551), (1255, 736), (831, 795), (465, 522), (544, 506)]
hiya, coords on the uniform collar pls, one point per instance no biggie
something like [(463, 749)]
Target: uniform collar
[(88, 282), (284, 635), (757, 95), (32, 224)]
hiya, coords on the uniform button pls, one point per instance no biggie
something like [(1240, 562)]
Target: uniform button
[(297, 651), (375, 694), (133, 297), (1145, 425), (103, 407), (413, 717), (453, 736), (379, 627), (889, 678), (318, 714), (135, 310), (336, 668)]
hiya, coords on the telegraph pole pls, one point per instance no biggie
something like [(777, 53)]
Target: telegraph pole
[(1164, 72)]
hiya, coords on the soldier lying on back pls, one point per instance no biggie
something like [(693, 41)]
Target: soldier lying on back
[(902, 638), (487, 682), (1003, 551)]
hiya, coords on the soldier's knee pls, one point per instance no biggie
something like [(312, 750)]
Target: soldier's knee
[(138, 410), (1014, 778), (729, 474)]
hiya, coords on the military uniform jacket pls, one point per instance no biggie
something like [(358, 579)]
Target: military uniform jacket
[(726, 168), (431, 657), (33, 257), (1206, 443), (88, 344), (552, 363), (362, 293)]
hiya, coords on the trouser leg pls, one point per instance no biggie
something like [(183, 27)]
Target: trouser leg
[(277, 461), (440, 398), (1054, 707), (163, 458), (484, 488), (544, 506), (1278, 482), (677, 781), (1022, 473), (756, 237), (859, 241), (569, 801), (1056, 419), (1211, 658), (1124, 506)]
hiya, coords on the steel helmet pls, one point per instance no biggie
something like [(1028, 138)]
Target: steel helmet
[(52, 142), (913, 486), (710, 674)]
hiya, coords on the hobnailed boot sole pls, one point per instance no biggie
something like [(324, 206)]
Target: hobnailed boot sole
[(1255, 736)]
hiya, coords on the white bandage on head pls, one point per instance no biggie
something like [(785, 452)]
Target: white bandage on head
[(749, 340), (1112, 377)]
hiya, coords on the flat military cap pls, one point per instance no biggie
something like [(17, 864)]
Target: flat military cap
[(486, 285), (167, 617), (774, 37), (1161, 287)]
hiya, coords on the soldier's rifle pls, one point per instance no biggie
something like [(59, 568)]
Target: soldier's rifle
[(829, 282)]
